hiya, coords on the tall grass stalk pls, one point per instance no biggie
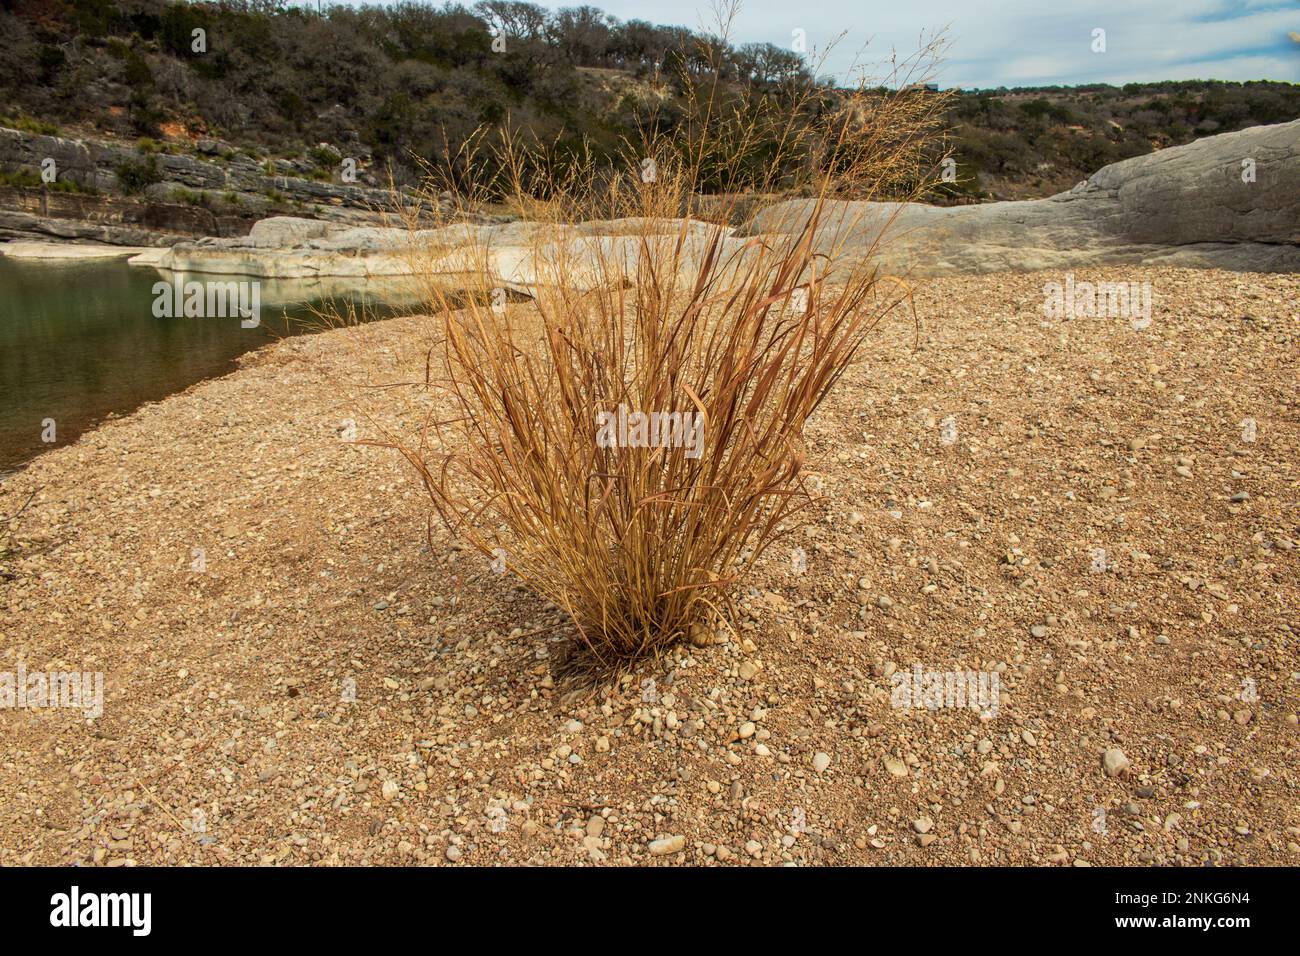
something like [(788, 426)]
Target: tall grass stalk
[(666, 312)]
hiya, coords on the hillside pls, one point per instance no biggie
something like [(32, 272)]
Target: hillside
[(300, 90), (1030, 143)]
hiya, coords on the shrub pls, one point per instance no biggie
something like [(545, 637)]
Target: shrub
[(324, 157), (135, 176), (28, 179), (732, 342), (29, 125), (189, 196)]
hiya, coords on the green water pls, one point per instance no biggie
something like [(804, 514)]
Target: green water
[(79, 342)]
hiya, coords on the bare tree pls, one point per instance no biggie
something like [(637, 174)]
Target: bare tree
[(522, 21), (582, 33)]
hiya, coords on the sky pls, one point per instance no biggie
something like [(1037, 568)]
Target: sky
[(993, 43)]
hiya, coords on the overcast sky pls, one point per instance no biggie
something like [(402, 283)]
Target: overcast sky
[(1027, 42), (1021, 42)]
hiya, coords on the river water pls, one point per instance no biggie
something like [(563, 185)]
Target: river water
[(80, 342)]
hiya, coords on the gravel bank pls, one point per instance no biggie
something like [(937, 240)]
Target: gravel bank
[(1070, 505)]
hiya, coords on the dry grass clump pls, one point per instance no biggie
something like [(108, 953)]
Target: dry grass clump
[(641, 528)]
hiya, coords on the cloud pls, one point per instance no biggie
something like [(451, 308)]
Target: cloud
[(1023, 42)]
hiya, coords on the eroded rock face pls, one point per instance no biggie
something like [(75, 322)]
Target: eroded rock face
[(1192, 205), (95, 164), (160, 214), (287, 247), (1186, 206), (515, 255), (29, 213)]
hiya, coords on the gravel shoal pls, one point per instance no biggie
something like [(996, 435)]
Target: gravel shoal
[(1101, 517)]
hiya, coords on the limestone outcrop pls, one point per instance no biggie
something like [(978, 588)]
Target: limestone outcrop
[(1230, 201), (161, 207)]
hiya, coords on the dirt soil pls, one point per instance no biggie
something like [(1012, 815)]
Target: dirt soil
[(295, 674)]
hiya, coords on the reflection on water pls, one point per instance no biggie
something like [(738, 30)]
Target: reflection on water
[(79, 341)]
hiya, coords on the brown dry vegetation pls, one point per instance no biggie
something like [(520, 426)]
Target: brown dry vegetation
[(225, 687), (739, 341)]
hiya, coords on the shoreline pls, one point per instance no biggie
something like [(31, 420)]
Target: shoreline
[(69, 250)]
